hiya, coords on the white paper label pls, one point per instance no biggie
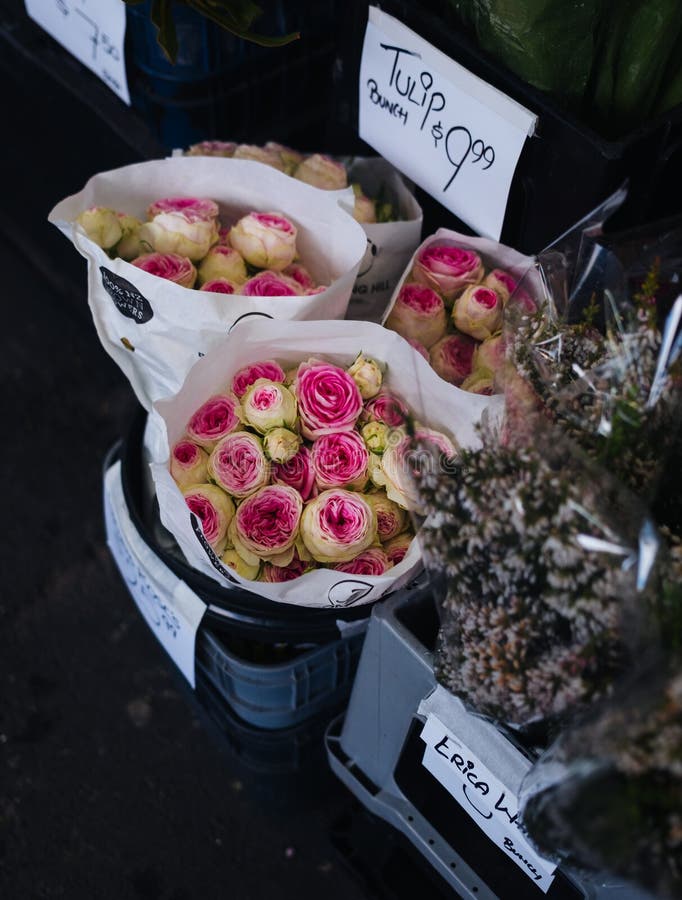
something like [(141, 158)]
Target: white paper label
[(170, 608), (91, 30), (490, 804), (448, 130)]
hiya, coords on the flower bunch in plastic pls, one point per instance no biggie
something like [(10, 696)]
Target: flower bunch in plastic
[(317, 169), (183, 241), (288, 471)]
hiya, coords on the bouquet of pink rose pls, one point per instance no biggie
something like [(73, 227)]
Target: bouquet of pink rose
[(184, 241), (297, 469), (216, 231), (450, 305)]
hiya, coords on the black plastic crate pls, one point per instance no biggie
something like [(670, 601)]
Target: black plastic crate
[(564, 171)]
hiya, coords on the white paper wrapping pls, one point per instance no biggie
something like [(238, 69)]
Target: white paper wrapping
[(156, 330), (389, 244), (408, 374)]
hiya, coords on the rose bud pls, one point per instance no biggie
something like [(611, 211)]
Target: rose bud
[(298, 473), (375, 436), (290, 158), (372, 561), (386, 408), (405, 461), (368, 376), (478, 312), (376, 471), (391, 519), (301, 276), (178, 269), (397, 547), (266, 525), (279, 574), (490, 354), (224, 237), (503, 283), (364, 209), (267, 405), (270, 284), (101, 225), (322, 172), (223, 262), (259, 154), (212, 148), (238, 464), (420, 348), (418, 313), (265, 240), (337, 525), (219, 286), (328, 399), (453, 357), (447, 270), (479, 382), (214, 420), (214, 509), (130, 245), (250, 374), (340, 460), (281, 445), (232, 559), (182, 225), (188, 464)]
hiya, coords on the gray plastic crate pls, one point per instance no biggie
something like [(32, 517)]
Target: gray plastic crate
[(375, 749)]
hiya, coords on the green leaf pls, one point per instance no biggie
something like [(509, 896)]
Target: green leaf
[(162, 17), (237, 16)]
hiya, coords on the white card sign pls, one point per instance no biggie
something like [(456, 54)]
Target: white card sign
[(169, 607), (448, 130), (91, 30), (490, 804)]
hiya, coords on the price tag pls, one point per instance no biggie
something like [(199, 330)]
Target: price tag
[(91, 30), (170, 608), (482, 795), (448, 130)]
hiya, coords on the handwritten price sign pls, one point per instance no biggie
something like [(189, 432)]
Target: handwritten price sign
[(91, 30), (454, 135)]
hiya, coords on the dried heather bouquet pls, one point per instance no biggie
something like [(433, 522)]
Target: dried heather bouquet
[(540, 597)]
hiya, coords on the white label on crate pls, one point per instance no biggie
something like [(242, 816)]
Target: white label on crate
[(170, 608), (489, 803), (91, 30), (453, 134)]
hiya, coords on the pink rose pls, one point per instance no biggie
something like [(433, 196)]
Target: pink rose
[(340, 460), (280, 574), (290, 158), (328, 399), (447, 269), (170, 266), (224, 237), (386, 408), (259, 154), (214, 509), (298, 473), (490, 355), (320, 289), (266, 525), (337, 525), (265, 240), (188, 464), (194, 209), (183, 225), (211, 148), (397, 547), (322, 172), (404, 462), (301, 276), (270, 284), (478, 312), (238, 464), (453, 357), (522, 302), (503, 283), (267, 405), (418, 313), (391, 518), (479, 382), (218, 286), (223, 262), (215, 419), (372, 561), (420, 348), (248, 375)]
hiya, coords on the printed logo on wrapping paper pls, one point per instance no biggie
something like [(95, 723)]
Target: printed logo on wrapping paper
[(208, 550), (127, 299), (347, 593)]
